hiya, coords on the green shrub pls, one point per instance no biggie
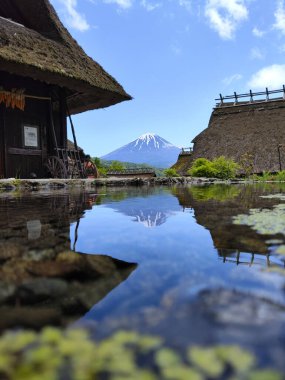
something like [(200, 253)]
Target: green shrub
[(200, 162), (202, 168), (225, 167), (220, 167), (171, 173), (280, 176), (246, 162)]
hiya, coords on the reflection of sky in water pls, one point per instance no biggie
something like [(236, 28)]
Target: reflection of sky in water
[(176, 257)]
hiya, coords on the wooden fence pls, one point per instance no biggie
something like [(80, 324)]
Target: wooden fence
[(251, 97), (186, 151)]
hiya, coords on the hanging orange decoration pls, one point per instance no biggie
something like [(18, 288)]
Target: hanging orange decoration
[(14, 98)]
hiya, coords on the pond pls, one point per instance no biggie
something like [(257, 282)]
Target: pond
[(195, 265)]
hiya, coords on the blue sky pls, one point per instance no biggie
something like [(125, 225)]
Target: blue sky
[(174, 57)]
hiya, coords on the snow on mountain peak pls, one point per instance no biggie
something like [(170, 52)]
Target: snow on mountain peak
[(149, 148), (147, 138)]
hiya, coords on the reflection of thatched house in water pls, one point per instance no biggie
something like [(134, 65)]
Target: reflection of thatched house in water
[(45, 76), (247, 127), (215, 211), (42, 280)]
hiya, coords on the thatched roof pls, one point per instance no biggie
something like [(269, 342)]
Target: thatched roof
[(255, 129), (35, 44)]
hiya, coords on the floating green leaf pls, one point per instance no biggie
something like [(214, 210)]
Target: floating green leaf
[(239, 359), (264, 221), (123, 356), (207, 360), (167, 358)]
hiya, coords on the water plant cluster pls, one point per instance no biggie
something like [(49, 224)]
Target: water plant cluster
[(54, 354), (267, 221), (264, 221)]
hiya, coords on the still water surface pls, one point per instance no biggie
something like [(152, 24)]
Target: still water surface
[(199, 278)]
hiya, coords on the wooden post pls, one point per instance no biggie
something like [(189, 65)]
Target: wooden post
[(267, 94), (52, 127), (222, 100), (279, 155), (72, 128), (251, 97), (236, 98)]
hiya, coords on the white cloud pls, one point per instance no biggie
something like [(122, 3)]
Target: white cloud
[(256, 53), (234, 78), (176, 49), (273, 76), (124, 4), (257, 32), (187, 4), (73, 18), (150, 6), (280, 17), (225, 16)]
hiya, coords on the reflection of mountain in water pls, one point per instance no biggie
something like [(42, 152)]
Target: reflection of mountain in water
[(150, 211), (43, 282), (153, 219), (214, 208)]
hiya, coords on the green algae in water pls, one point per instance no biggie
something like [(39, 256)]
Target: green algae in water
[(264, 221), (125, 355), (207, 360), (274, 196)]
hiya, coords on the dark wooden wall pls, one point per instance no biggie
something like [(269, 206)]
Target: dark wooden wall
[(16, 159)]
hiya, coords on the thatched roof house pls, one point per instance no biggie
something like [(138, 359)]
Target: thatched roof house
[(34, 43), (42, 68), (253, 130)]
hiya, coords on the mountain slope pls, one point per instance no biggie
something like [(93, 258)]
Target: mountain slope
[(149, 149)]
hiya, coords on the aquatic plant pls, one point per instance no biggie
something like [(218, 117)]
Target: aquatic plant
[(264, 221), (274, 196), (221, 167), (55, 354)]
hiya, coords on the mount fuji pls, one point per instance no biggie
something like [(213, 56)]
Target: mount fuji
[(149, 149)]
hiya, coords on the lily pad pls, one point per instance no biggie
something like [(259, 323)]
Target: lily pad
[(207, 360), (264, 221)]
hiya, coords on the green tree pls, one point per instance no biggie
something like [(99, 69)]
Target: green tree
[(117, 166)]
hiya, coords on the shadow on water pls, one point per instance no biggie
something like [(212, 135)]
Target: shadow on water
[(44, 282)]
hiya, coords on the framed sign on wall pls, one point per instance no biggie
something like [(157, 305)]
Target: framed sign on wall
[(31, 136)]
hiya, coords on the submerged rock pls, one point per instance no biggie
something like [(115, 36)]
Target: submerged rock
[(67, 286)]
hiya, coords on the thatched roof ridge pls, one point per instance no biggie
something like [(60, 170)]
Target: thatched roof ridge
[(255, 129), (37, 45)]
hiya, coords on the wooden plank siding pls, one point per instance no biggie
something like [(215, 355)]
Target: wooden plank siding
[(16, 159)]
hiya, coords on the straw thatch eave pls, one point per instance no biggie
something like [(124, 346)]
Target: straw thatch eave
[(45, 51), (252, 129)]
